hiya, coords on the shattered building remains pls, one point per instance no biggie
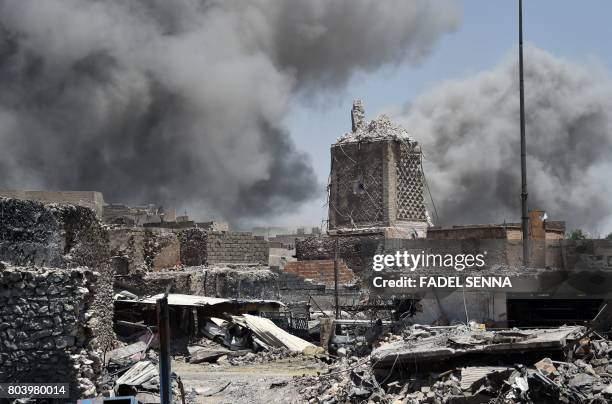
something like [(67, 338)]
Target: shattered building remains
[(79, 298), (376, 206), (57, 287), (376, 181), (89, 199)]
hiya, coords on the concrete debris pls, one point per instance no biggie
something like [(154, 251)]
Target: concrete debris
[(381, 128), (440, 343), (507, 375), (271, 355)]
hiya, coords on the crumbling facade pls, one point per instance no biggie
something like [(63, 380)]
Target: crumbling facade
[(376, 181), (48, 323), (67, 280), (356, 251), (321, 271), (89, 199)]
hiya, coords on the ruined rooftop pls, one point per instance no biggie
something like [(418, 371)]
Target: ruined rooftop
[(380, 128)]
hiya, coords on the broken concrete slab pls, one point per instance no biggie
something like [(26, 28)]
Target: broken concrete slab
[(451, 342)]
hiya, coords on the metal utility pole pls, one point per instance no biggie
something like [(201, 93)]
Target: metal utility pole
[(336, 278), (163, 328), (525, 213)]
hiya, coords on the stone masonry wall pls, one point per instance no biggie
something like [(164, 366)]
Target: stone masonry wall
[(47, 327), (321, 271), (161, 250), (193, 246), (235, 247), (353, 250), (61, 236)]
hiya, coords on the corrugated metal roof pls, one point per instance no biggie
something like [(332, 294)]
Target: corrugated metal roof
[(186, 300), (138, 374), (176, 299), (271, 334), (471, 375)]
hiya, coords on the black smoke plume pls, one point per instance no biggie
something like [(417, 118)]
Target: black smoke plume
[(470, 132), (182, 102)]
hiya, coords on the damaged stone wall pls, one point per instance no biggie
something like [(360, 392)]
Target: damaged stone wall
[(193, 246), (61, 236), (127, 250), (376, 179), (219, 281), (355, 251), (161, 250), (321, 271), (136, 249), (356, 185), (48, 322)]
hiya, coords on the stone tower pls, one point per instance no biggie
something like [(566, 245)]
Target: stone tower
[(376, 181)]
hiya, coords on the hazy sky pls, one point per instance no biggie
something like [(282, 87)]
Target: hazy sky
[(226, 109), (578, 31)]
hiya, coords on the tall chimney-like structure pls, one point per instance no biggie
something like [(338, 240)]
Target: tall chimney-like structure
[(376, 182)]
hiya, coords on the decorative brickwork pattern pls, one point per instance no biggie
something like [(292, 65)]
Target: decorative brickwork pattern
[(410, 204), (357, 173)]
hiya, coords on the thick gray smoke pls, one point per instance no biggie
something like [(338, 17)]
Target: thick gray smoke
[(470, 132), (182, 102)]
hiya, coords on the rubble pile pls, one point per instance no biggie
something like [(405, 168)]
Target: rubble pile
[(46, 327), (462, 364), (381, 128), (270, 355), (132, 369)]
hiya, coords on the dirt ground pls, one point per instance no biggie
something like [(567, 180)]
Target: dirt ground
[(253, 383)]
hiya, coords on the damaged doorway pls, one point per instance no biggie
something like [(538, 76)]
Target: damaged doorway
[(551, 312)]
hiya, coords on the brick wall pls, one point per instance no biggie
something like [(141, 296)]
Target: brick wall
[(321, 271), (236, 247)]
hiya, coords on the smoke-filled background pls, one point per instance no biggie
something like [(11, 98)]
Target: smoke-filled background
[(182, 103), (470, 132)]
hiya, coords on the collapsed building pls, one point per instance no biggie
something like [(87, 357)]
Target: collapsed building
[(376, 181), (79, 297), (376, 207)]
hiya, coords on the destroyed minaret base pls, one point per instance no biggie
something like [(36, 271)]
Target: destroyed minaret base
[(376, 182)]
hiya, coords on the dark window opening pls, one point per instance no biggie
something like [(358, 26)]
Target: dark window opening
[(359, 185)]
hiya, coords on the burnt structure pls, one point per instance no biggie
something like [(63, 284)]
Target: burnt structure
[(376, 181)]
